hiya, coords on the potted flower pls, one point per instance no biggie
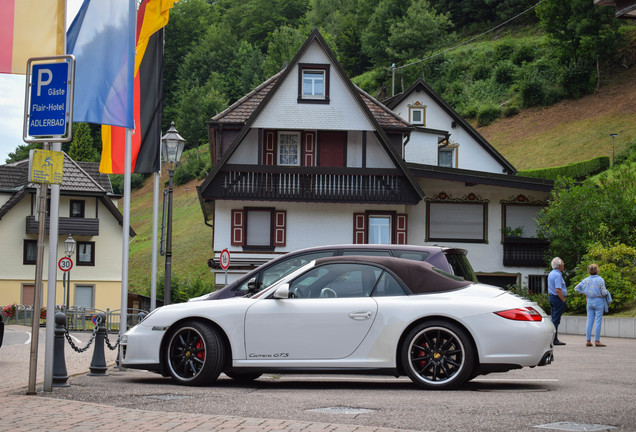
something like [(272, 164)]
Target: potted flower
[(9, 310)]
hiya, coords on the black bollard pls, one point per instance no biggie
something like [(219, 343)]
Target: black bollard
[(98, 363), (60, 375)]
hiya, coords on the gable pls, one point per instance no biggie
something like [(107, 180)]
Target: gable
[(283, 110)]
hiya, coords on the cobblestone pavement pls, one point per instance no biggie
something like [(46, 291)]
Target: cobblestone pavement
[(22, 412)]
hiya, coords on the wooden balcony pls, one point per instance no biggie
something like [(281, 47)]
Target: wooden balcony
[(524, 252), (66, 225), (275, 183)]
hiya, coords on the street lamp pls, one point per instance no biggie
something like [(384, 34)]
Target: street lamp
[(69, 250), (171, 148), (613, 135)]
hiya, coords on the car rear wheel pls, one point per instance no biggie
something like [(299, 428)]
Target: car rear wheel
[(195, 353), (438, 355)]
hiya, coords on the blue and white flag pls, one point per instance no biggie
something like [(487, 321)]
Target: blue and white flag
[(102, 39)]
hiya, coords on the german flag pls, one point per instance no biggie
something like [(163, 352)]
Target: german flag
[(152, 16)]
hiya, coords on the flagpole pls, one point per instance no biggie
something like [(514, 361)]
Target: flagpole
[(155, 229), (125, 239)]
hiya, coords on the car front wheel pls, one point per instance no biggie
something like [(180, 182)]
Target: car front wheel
[(194, 354), (438, 355)]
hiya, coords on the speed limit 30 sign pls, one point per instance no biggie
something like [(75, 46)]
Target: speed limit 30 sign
[(65, 264), (225, 259)]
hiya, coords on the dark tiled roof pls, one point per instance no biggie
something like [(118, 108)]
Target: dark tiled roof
[(242, 109), (13, 176), (92, 169)]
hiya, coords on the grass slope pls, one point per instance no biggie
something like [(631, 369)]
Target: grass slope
[(571, 130)]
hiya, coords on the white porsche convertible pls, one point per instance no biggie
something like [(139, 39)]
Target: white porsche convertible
[(347, 314)]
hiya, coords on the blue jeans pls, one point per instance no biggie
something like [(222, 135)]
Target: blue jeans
[(595, 309)]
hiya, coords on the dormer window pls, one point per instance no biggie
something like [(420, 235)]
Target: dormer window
[(313, 83)]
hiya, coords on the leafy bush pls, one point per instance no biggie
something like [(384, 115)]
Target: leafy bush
[(523, 54), (510, 110), (182, 290), (578, 170), (488, 114), (531, 91), (505, 72), (626, 155), (481, 72), (193, 166), (616, 265), (136, 182), (577, 81)]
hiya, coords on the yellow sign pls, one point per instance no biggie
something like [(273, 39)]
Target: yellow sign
[(45, 166)]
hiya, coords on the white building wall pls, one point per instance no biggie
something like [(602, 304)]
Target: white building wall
[(283, 111), (471, 155), (484, 257), (377, 156), (354, 149), (421, 149)]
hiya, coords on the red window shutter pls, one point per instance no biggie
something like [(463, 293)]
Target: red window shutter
[(401, 226), (238, 228), (280, 228), (359, 228), (309, 148), (269, 148)]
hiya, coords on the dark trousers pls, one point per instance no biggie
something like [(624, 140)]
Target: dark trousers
[(557, 307)]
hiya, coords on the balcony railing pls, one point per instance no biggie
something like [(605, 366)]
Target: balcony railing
[(312, 184), (66, 225), (524, 252)]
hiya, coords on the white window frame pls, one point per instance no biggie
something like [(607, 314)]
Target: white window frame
[(281, 152), (421, 110), (320, 77), (380, 233), (447, 149)]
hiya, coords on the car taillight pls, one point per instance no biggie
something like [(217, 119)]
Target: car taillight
[(521, 314)]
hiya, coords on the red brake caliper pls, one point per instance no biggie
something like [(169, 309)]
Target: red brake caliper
[(200, 354), (421, 353)]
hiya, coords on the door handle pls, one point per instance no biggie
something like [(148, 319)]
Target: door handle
[(360, 315)]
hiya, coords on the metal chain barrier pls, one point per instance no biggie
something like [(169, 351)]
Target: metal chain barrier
[(111, 347), (90, 341)]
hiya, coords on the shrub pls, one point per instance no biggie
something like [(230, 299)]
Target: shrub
[(487, 114), (182, 290), (481, 72), (577, 81), (577, 170), (616, 265), (136, 182), (505, 72), (523, 54), (532, 91), (510, 111)]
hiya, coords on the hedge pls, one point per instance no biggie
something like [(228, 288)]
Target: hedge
[(578, 170)]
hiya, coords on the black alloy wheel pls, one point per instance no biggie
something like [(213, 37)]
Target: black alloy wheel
[(194, 354), (438, 355)]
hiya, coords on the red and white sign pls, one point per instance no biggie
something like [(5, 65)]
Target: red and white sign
[(225, 259), (65, 264)]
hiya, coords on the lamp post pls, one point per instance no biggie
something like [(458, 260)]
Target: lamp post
[(69, 250), (613, 135), (171, 148)]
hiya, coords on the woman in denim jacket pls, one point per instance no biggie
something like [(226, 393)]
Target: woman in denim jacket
[(594, 289)]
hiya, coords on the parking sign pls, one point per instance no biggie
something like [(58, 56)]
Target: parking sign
[(49, 99)]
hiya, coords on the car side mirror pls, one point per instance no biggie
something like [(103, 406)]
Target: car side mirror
[(282, 292), (252, 286)]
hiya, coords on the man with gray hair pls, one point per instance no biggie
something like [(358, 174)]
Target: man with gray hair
[(557, 292)]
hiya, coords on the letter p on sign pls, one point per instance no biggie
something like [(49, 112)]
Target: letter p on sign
[(44, 82)]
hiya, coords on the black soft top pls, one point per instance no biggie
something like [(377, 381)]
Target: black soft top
[(419, 276)]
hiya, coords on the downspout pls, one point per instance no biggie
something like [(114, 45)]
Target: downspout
[(404, 143)]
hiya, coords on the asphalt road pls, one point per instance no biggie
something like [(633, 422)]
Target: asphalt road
[(585, 389)]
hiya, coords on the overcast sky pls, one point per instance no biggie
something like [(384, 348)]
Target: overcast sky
[(12, 90)]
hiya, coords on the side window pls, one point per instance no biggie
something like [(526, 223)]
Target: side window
[(29, 252), (285, 267), (85, 253), (337, 280), (388, 286), (77, 209)]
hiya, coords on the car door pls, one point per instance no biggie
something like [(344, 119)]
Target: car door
[(328, 319)]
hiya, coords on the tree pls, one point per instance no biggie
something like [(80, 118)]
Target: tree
[(22, 152), (283, 46), (421, 30), (598, 211), (82, 147), (584, 36)]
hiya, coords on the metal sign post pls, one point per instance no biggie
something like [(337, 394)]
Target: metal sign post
[(225, 262), (48, 118)]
